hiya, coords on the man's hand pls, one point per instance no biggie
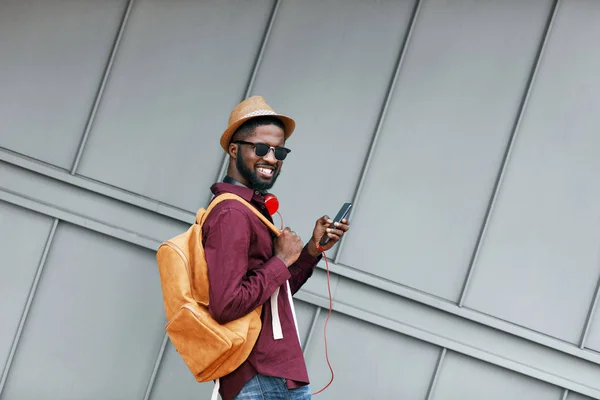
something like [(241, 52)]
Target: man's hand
[(335, 233), (288, 246)]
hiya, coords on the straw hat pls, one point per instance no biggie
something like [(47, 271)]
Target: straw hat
[(253, 107)]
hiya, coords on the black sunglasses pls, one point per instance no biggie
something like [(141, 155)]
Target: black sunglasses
[(262, 149)]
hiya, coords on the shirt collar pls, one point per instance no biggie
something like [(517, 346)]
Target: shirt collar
[(244, 192)]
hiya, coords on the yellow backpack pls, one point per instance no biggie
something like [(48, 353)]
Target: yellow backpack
[(209, 349)]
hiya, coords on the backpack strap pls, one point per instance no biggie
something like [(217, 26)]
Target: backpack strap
[(202, 213), (275, 320)]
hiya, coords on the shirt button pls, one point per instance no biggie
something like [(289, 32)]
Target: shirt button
[(262, 207)]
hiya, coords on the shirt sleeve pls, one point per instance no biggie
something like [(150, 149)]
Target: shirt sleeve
[(302, 269), (234, 291)]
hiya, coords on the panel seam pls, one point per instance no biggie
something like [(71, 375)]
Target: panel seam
[(311, 331), (590, 316), (27, 308), (380, 120), (435, 338), (252, 79), (508, 152), (436, 374), (100, 92), (156, 368)]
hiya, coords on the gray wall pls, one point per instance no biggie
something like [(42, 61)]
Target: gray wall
[(466, 133)]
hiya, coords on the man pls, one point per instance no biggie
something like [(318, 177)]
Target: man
[(247, 265)]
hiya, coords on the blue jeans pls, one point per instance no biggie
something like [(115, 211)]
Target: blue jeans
[(270, 388)]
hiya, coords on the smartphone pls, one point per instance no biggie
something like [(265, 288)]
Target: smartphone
[(343, 213)]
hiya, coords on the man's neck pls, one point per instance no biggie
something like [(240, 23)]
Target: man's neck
[(229, 179)]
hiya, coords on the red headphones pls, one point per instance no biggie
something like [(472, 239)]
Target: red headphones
[(270, 200), (272, 203)]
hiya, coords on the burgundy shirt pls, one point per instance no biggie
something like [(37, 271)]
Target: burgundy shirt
[(243, 273)]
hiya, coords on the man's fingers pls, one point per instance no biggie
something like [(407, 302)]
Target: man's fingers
[(333, 231), (287, 228), (342, 226), (333, 236)]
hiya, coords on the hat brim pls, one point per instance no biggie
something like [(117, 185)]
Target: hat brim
[(288, 123)]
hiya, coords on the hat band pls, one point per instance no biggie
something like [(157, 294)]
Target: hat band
[(259, 112)]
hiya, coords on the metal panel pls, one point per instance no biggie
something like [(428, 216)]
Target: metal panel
[(315, 285), (304, 316), (53, 54), (95, 187), (443, 140), (358, 75), (316, 45), (543, 235), (181, 68), (467, 337), (577, 396), (23, 236), (74, 200), (591, 333), (462, 377), (593, 341), (174, 379), (94, 324), (369, 362)]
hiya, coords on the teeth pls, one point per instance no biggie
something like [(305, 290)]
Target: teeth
[(266, 171)]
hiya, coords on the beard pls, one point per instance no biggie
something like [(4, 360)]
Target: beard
[(252, 177)]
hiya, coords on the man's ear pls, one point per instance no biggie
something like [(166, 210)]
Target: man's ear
[(233, 149)]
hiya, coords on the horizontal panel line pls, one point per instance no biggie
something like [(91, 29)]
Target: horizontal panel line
[(323, 302), (95, 186), (464, 312), (445, 342), (338, 269), (80, 220)]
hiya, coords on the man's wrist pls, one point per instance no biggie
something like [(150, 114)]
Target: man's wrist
[(312, 249), (283, 260)]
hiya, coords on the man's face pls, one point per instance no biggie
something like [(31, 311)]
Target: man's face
[(260, 172)]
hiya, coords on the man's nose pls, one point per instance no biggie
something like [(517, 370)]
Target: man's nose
[(270, 157)]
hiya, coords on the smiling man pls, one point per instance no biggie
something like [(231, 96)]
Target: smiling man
[(249, 267)]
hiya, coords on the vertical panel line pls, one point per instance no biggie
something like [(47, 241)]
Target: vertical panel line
[(157, 363), (221, 173), (590, 316), (252, 79), (107, 71), (381, 118), (311, 331), (565, 394), (436, 375), (25, 314), (509, 149)]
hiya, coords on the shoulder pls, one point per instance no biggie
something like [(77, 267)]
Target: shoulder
[(230, 212)]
